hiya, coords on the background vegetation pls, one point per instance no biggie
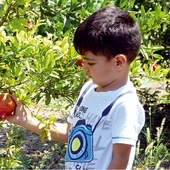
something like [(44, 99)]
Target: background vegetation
[(38, 64)]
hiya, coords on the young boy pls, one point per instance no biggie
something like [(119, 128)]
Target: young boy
[(103, 126)]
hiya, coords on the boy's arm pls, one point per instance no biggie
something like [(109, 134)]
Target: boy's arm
[(26, 120), (121, 153)]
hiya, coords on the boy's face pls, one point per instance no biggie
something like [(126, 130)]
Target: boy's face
[(102, 71)]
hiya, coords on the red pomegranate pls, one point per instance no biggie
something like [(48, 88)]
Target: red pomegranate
[(7, 105)]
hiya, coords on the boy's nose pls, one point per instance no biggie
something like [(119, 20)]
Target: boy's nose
[(85, 66)]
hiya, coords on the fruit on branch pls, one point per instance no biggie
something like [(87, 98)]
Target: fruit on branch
[(7, 105), (30, 25), (154, 66), (79, 62)]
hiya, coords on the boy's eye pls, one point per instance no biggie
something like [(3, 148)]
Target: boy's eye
[(86, 62), (90, 64)]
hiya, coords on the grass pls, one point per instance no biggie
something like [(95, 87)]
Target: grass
[(156, 153)]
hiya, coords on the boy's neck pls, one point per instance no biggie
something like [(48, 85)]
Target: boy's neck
[(114, 85)]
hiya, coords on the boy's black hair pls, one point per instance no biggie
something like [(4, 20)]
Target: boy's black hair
[(109, 31)]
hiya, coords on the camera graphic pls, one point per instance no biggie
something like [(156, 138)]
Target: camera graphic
[(80, 143)]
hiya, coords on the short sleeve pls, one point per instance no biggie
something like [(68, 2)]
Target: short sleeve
[(127, 122)]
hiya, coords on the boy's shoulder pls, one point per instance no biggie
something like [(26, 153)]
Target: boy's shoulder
[(87, 85)]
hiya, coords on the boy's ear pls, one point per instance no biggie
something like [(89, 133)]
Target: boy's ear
[(120, 61)]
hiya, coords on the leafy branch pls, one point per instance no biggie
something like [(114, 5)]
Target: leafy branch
[(10, 8)]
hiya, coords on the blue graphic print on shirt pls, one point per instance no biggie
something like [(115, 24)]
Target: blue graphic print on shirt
[(80, 143)]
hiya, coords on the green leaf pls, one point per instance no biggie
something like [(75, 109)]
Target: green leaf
[(157, 56), (157, 47), (144, 53), (73, 3), (123, 3), (150, 22), (39, 117), (132, 2), (47, 98), (143, 12), (43, 135), (18, 24), (23, 2), (67, 23), (54, 74), (52, 118)]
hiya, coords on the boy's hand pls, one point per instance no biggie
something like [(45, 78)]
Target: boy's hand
[(19, 116), (59, 132)]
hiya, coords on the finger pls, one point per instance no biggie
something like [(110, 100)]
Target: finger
[(17, 101), (3, 118)]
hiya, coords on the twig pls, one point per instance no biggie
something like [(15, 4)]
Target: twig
[(4, 18)]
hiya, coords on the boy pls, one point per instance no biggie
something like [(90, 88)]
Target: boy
[(103, 126)]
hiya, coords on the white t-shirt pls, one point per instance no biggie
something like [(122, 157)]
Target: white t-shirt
[(94, 131)]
